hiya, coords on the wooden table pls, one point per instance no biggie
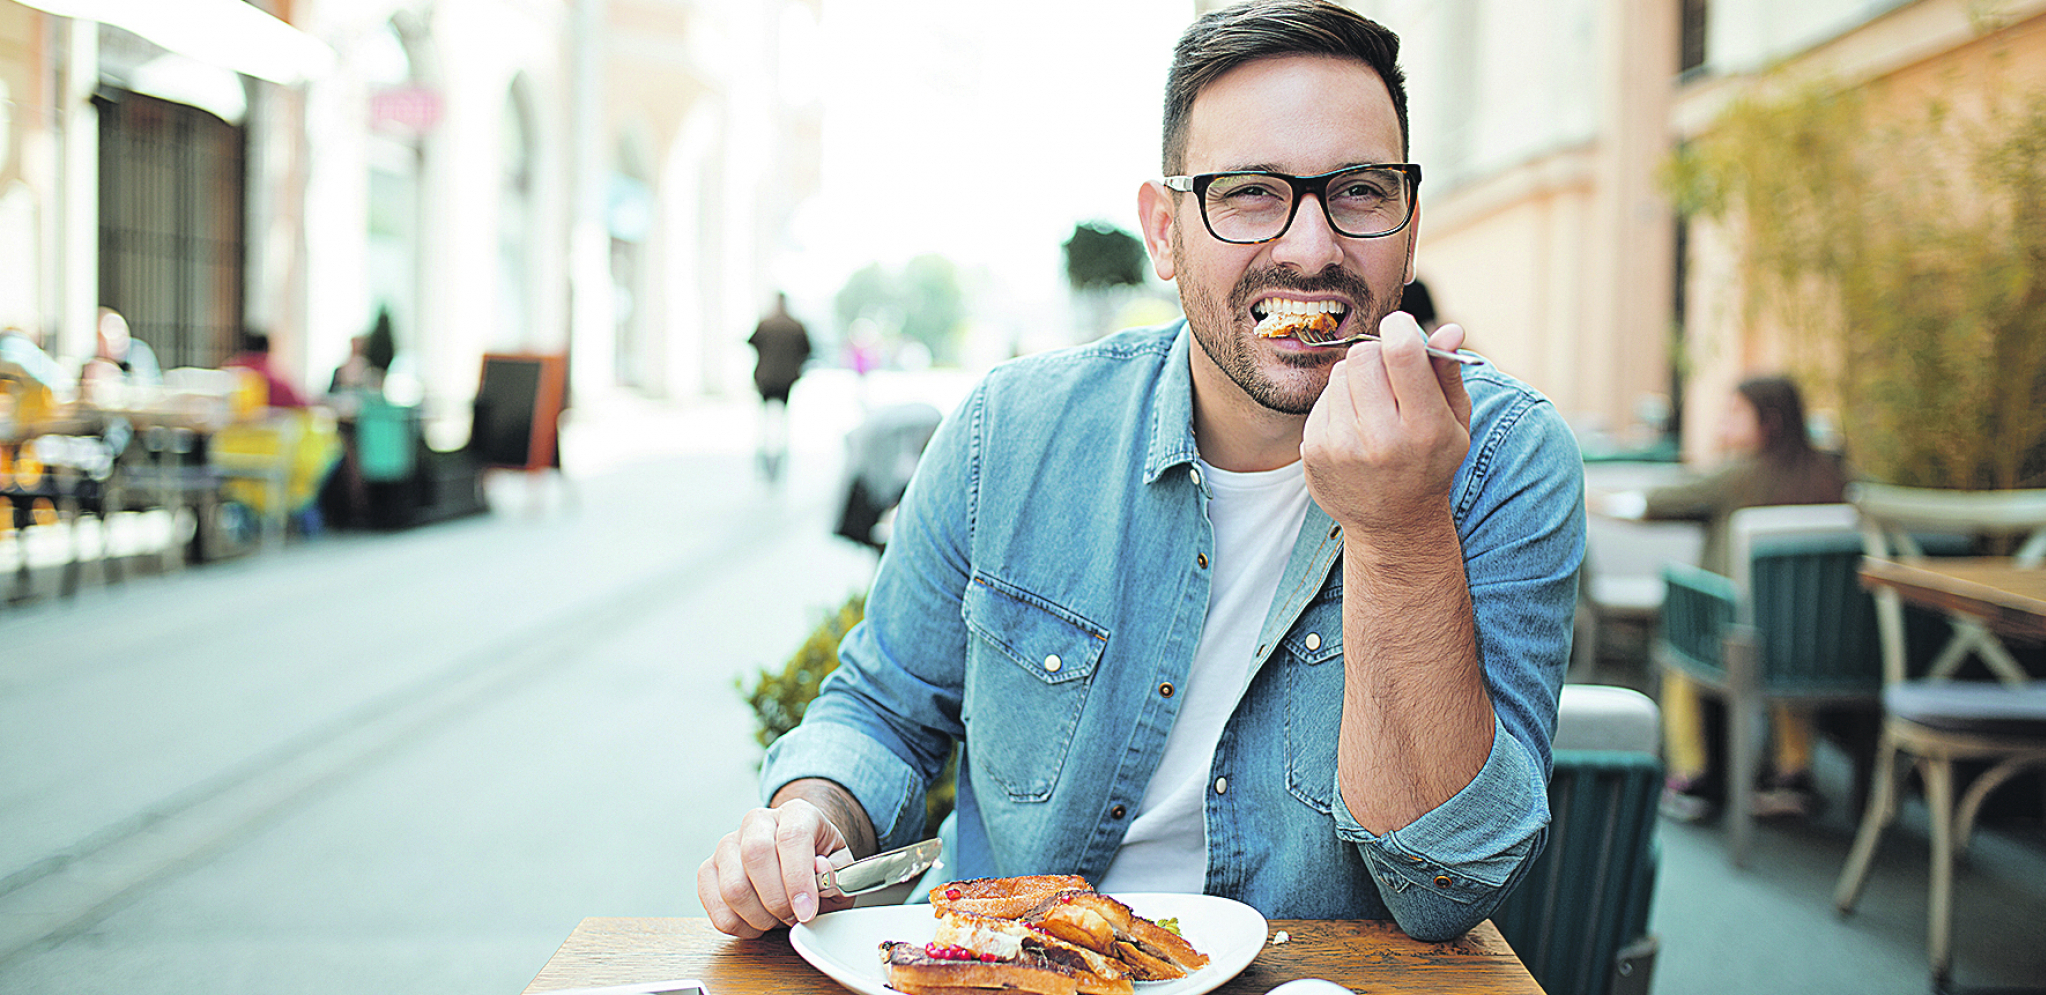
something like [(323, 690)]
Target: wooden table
[(2005, 598), (1364, 955)]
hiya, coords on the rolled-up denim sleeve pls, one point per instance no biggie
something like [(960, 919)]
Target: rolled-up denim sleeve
[(890, 789), (884, 722), (1446, 871)]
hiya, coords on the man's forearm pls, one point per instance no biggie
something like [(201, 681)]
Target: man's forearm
[(839, 806), (1417, 720)]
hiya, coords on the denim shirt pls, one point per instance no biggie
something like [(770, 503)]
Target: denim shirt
[(1040, 602)]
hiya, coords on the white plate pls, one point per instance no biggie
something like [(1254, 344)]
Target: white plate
[(846, 945)]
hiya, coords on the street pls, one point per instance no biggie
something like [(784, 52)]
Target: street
[(414, 761)]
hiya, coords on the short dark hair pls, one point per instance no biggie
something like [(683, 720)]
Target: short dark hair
[(1259, 29)]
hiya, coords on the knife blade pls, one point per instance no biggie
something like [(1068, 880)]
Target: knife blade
[(882, 869)]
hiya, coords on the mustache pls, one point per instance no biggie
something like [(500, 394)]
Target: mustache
[(1334, 279)]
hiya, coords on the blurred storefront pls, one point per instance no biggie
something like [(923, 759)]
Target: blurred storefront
[(604, 178), (1545, 127)]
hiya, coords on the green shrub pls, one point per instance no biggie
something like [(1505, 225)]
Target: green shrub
[(779, 698), (1906, 252)]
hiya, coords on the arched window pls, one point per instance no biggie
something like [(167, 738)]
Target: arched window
[(629, 217), (515, 219), (402, 108)]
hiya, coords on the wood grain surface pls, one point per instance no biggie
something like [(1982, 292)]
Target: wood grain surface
[(2008, 599), (1364, 955)]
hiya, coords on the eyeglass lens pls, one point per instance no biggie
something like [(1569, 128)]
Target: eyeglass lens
[(1252, 207)]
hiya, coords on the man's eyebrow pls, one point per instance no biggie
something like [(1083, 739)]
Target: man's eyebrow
[(1271, 167)]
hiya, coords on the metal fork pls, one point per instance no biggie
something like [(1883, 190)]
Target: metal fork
[(1457, 357)]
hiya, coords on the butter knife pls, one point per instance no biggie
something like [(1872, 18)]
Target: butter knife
[(882, 869)]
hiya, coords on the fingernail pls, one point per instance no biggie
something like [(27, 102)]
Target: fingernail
[(804, 906)]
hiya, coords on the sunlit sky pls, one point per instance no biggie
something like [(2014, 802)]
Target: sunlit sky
[(982, 133)]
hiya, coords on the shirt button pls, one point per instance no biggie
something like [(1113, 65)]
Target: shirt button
[(1194, 473), (1221, 785), (1202, 559), (1165, 690), (1117, 812), (1441, 880), (1052, 664), (1334, 531), (1314, 640)]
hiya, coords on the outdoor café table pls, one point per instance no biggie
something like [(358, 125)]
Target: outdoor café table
[(2007, 599), (1363, 955)]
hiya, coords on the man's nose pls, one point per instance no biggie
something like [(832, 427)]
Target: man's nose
[(1309, 243)]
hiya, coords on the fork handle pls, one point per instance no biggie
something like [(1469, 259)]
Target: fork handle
[(1465, 358)]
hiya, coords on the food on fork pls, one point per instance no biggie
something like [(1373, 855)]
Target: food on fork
[(1308, 321)]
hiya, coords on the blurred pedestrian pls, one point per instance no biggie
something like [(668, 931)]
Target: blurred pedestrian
[(255, 356), (22, 358), (118, 358), (356, 376), (782, 345)]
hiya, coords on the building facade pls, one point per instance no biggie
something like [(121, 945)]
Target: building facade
[(605, 178), (1545, 128)]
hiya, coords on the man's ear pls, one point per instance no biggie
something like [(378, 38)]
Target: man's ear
[(1154, 213)]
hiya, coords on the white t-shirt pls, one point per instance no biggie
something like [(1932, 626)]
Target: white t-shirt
[(1256, 517)]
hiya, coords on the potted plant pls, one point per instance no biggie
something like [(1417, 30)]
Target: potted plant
[(780, 697)]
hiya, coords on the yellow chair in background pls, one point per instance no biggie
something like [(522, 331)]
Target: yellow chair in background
[(272, 460)]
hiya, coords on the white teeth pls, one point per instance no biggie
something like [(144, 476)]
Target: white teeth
[(1283, 305)]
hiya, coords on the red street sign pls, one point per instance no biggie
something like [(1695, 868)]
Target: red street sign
[(414, 109)]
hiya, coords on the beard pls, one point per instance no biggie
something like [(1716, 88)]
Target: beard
[(1283, 381)]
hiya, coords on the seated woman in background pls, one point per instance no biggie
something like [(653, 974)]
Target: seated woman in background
[(1771, 462)]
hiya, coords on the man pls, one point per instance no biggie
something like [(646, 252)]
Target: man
[(279, 391), (1211, 611), (118, 357), (782, 346)]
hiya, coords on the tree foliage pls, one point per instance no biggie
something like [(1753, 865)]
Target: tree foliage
[(1100, 255), (922, 302), (1907, 253)]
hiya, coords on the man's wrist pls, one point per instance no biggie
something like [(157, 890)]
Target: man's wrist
[(1404, 552), (838, 805)]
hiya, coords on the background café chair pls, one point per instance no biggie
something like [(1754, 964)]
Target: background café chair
[(1579, 919), (1936, 720), (1791, 625)]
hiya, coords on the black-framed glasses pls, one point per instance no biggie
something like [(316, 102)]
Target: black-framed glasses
[(1247, 206)]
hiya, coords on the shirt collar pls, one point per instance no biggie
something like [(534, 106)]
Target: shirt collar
[(1172, 438)]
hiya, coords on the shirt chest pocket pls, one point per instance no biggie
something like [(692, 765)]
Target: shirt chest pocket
[(1312, 655), (1029, 666)]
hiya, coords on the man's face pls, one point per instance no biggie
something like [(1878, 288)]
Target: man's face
[(1294, 114)]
